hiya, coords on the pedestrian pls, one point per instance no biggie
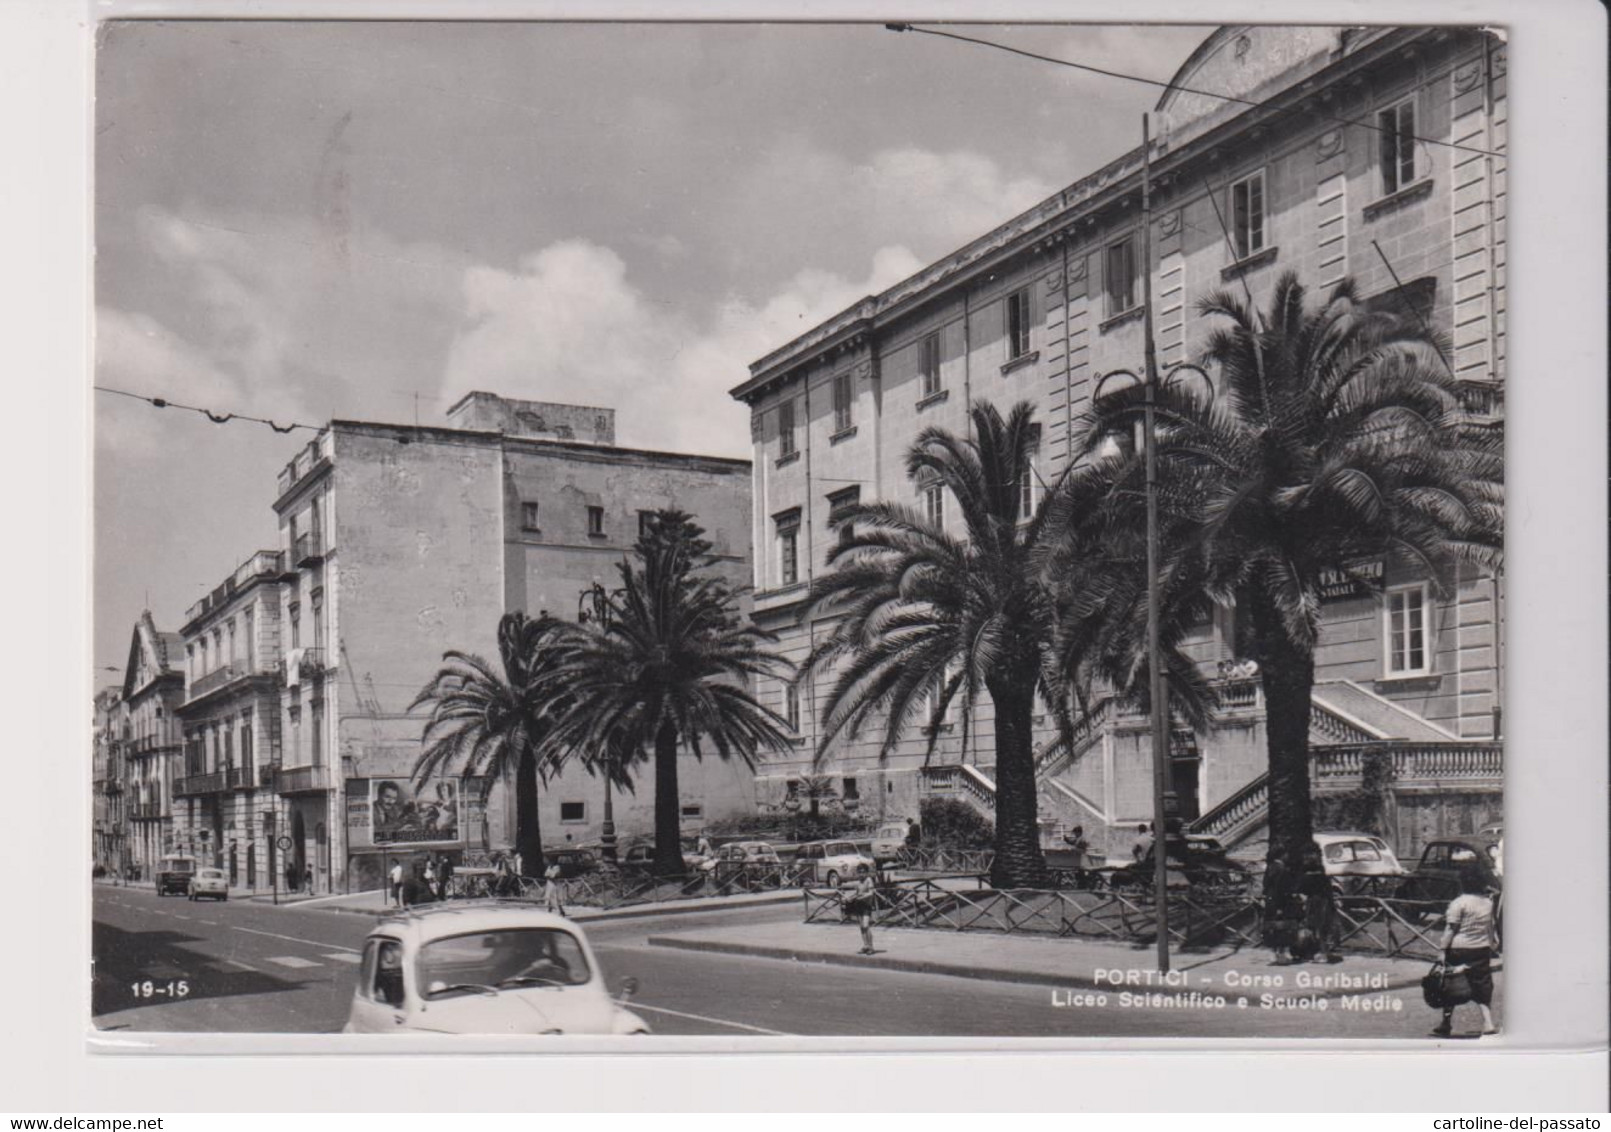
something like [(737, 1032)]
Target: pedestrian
[(290, 876), (307, 879), (444, 876), (704, 849), (1320, 908), (1468, 947), (395, 877), (553, 899), (861, 904), (1143, 843), (1278, 917), (430, 875)]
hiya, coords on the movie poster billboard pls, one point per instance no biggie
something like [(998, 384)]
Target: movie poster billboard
[(402, 813)]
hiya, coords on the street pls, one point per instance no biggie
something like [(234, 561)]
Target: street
[(165, 964)]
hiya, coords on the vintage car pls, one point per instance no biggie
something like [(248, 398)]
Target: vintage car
[(889, 841), (572, 862), (211, 883), (640, 859), (745, 865), (485, 968), (829, 862), (173, 875), (1194, 861), (1359, 862), (1437, 874)]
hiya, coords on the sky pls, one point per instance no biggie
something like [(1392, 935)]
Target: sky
[(309, 220)]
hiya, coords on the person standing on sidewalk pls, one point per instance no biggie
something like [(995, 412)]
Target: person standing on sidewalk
[(1468, 945), (553, 899), (395, 879), (861, 905), (307, 879)]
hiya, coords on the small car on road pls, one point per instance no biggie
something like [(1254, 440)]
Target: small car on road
[(173, 875), (889, 841), (211, 883), (572, 862), (1443, 862), (485, 968), (1359, 862), (1194, 861), (745, 866), (829, 862)]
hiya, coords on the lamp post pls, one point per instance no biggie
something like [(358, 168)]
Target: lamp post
[(596, 605)]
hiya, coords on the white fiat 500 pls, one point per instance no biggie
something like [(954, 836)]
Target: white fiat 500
[(484, 969)]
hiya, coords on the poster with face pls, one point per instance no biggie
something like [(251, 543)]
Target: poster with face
[(401, 813)]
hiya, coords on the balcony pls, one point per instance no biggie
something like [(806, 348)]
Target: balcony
[(306, 462), (194, 785), (225, 675), (151, 745), (147, 811), (1483, 401), (311, 664), (302, 780), (241, 778), (309, 549)]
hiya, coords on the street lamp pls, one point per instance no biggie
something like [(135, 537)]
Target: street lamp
[(596, 605)]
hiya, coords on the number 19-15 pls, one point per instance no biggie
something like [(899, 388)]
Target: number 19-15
[(169, 989)]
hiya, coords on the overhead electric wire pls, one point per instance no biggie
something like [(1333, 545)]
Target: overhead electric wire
[(1186, 89), (215, 417)]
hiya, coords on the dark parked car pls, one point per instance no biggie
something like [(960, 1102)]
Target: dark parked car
[(1195, 861), (1437, 875), (572, 862), (640, 859)]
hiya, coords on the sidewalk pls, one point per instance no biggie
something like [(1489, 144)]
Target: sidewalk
[(1061, 962)]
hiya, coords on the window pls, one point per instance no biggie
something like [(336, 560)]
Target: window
[(693, 810), (317, 599), (296, 625), (316, 727), (841, 505), (246, 742), (791, 706), (929, 363), (788, 525), (1027, 478), (573, 811), (849, 790), (1247, 215), (232, 640), (645, 523), (1119, 276), (934, 504), (1018, 324), (841, 403), (248, 644), (229, 748), (595, 521), (932, 699), (528, 516), (1408, 651), (786, 428), (1396, 137)]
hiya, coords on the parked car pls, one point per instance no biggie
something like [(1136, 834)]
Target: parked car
[(1194, 861), (173, 875), (211, 883), (1359, 862), (572, 862), (1437, 874), (745, 865), (640, 859), (829, 862), (485, 969), (889, 841)]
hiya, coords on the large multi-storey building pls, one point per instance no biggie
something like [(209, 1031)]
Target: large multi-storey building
[(1375, 154), (401, 542), (108, 846), (153, 688), (224, 810)]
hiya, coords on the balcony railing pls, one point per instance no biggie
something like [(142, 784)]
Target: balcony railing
[(192, 785), (217, 678), (309, 549), (151, 744), (147, 811), (241, 778), (1412, 763), (311, 663), (302, 780)]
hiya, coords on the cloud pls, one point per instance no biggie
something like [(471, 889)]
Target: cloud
[(569, 325)]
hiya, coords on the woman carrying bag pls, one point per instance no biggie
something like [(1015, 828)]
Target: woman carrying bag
[(859, 904), (1467, 945)]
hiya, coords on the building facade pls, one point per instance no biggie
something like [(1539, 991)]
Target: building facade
[(399, 543), (224, 806), (153, 689), (109, 838), (1375, 154)]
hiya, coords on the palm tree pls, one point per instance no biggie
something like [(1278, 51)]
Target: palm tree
[(489, 722), (922, 617), (1336, 441), (670, 669)]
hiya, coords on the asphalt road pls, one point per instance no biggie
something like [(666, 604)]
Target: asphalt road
[(250, 967)]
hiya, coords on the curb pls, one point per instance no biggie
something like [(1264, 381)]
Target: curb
[(919, 966), (582, 917)]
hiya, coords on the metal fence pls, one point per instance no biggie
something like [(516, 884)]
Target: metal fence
[(1378, 924)]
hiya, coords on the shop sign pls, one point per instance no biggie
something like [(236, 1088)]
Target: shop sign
[(1361, 580)]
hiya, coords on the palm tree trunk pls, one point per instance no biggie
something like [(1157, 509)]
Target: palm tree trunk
[(1018, 862), (528, 831), (1287, 672), (667, 808)]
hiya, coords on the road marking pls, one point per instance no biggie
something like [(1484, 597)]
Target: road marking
[(353, 957), (293, 961), (299, 939), (636, 1005)]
